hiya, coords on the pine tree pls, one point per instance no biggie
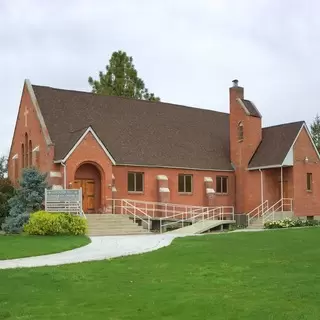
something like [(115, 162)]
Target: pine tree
[(315, 131), (121, 79), (28, 198)]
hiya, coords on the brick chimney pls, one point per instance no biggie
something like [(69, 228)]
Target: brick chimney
[(245, 118), (245, 137)]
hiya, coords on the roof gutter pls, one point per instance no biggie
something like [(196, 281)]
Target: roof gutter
[(265, 167)]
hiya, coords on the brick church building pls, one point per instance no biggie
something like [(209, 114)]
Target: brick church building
[(120, 148)]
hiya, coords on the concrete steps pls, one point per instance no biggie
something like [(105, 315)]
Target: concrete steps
[(112, 224)]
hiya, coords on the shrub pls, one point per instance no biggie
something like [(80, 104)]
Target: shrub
[(45, 223), (28, 198), (290, 223)]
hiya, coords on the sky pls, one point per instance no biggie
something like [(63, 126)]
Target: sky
[(186, 51)]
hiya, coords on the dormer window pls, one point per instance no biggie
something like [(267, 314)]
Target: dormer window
[(240, 131)]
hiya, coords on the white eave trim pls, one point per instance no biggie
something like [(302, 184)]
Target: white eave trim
[(36, 149), (80, 140), (266, 167), (304, 126), (170, 167), (38, 112), (15, 156)]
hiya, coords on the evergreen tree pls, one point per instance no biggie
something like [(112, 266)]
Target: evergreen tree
[(28, 198), (315, 131), (121, 79)]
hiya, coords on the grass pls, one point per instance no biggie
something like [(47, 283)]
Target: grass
[(262, 275), (19, 246)]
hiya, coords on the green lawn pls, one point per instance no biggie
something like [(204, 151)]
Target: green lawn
[(262, 275), (19, 246)]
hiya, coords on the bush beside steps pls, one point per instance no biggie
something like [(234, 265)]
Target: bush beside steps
[(45, 223), (290, 223)]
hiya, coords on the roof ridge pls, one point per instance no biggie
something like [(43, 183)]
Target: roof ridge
[(285, 124), (130, 99)]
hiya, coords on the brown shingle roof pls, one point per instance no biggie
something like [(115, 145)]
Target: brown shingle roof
[(154, 133), (276, 143), (252, 109), (137, 132)]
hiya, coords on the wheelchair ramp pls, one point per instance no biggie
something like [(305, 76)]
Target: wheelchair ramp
[(202, 226)]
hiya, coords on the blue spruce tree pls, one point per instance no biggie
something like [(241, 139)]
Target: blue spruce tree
[(28, 198)]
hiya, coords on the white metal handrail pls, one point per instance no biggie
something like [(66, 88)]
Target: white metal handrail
[(215, 213), (135, 215), (258, 211), (278, 206)]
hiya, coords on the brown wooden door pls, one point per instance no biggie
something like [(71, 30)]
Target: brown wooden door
[(88, 194)]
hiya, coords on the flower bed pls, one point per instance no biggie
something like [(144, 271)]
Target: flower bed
[(290, 223)]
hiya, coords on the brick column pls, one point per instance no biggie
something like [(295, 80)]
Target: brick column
[(163, 191), (210, 193)]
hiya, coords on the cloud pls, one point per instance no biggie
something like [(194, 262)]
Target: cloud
[(186, 51)]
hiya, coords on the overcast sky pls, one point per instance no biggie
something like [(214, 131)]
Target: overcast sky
[(187, 52)]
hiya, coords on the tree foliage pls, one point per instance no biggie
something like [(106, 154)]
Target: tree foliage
[(121, 79), (27, 199), (3, 167), (315, 131), (6, 192)]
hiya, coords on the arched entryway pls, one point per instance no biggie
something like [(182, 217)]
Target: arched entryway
[(88, 177)]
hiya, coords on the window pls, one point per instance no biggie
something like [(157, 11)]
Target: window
[(22, 156), (30, 154), (222, 184), (135, 181), (26, 151), (185, 183), (309, 181), (240, 131)]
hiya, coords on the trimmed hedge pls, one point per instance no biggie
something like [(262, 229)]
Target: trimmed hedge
[(290, 223), (45, 223)]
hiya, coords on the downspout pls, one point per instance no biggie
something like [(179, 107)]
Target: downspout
[(261, 185), (281, 183), (64, 175)]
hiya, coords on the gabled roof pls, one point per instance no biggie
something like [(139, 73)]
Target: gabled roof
[(275, 145), (137, 132)]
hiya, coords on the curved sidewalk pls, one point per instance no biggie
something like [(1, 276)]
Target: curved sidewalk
[(100, 248)]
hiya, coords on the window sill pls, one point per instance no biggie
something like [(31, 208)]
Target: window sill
[(221, 194), (185, 193), (135, 192), (309, 191)]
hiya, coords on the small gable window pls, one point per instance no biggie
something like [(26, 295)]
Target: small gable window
[(185, 183), (222, 184), (240, 131), (135, 182), (309, 181)]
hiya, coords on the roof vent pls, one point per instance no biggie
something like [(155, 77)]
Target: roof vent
[(235, 83)]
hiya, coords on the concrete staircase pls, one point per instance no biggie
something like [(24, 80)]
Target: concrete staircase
[(256, 224), (112, 224)]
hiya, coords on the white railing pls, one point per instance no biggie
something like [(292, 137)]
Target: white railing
[(137, 213), (204, 214), (284, 204), (168, 213), (153, 209), (258, 211)]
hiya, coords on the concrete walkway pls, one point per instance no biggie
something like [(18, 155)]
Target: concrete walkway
[(100, 248)]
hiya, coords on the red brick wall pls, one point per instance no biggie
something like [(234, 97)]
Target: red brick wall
[(306, 202), (197, 197), (35, 134)]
